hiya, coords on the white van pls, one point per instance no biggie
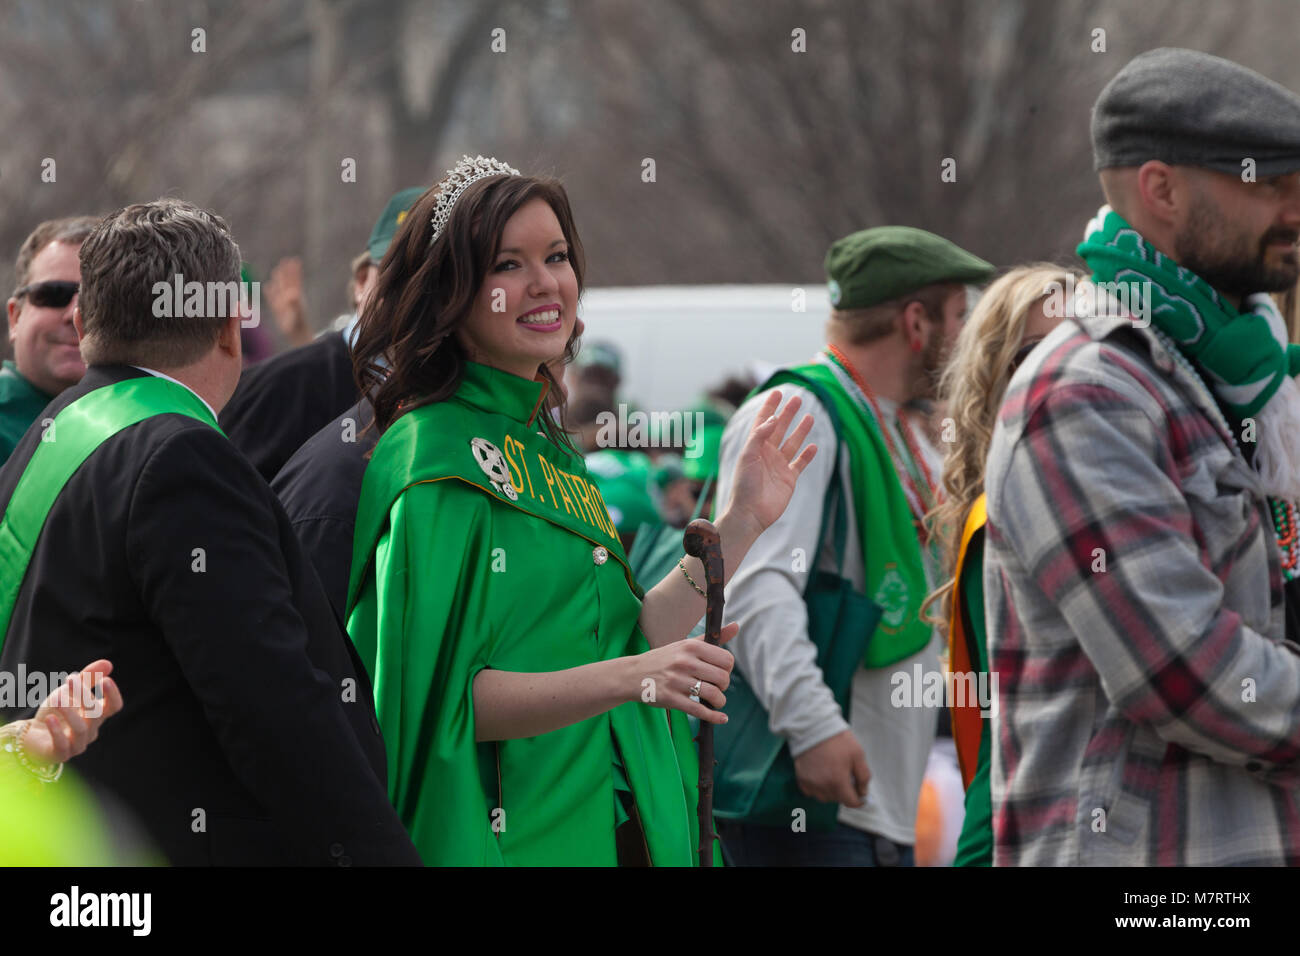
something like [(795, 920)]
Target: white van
[(678, 341)]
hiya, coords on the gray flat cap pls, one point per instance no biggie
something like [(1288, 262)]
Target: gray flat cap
[(1188, 108)]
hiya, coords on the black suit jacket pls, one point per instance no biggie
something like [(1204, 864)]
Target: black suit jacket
[(248, 733), (282, 402), (320, 489)]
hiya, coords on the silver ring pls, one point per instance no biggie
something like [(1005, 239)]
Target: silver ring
[(695, 691)]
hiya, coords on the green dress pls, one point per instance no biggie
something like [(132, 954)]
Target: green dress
[(479, 543)]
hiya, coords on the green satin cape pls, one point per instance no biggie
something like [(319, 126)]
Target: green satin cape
[(485, 554)]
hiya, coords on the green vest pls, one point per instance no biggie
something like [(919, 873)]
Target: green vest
[(891, 553)]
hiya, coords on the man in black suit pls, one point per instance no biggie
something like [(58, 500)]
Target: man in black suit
[(320, 487), (250, 735), (282, 402)]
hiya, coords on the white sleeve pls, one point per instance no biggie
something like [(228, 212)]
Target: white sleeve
[(765, 595)]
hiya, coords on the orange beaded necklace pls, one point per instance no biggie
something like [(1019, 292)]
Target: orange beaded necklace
[(919, 501)]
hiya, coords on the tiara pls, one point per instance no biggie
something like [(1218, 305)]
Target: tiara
[(458, 179)]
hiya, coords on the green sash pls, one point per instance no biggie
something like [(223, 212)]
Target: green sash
[(895, 575), (66, 443), (506, 461)]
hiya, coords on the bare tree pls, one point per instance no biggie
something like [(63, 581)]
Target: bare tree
[(772, 126)]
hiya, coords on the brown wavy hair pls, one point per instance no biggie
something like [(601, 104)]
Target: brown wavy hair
[(407, 353), (972, 386)]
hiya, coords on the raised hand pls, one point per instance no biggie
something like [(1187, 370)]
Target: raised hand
[(770, 463), (284, 293)]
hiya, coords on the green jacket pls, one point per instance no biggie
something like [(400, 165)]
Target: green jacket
[(21, 403), (480, 544)]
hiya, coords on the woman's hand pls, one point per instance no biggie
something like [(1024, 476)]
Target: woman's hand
[(768, 467), (68, 720), (511, 704), (667, 674)]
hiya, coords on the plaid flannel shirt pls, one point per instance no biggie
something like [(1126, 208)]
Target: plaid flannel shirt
[(1148, 706)]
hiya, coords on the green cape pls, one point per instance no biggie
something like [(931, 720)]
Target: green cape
[(478, 545)]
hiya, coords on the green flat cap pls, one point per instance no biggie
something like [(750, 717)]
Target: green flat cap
[(390, 219), (876, 265)]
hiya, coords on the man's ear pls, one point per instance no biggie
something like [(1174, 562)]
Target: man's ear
[(916, 326), (77, 323), (228, 338), (13, 308), (1162, 191)]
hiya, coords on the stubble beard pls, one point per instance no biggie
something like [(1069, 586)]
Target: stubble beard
[(1231, 262), (934, 356)]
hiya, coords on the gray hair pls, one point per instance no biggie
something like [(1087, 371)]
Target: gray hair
[(72, 230)]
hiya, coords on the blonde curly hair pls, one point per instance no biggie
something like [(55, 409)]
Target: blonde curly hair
[(972, 386)]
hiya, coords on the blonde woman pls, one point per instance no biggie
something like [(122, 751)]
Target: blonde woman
[(1010, 319)]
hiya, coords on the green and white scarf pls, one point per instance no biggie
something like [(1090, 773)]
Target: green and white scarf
[(1245, 356)]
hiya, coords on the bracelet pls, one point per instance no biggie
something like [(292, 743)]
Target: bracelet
[(682, 566), (13, 736)]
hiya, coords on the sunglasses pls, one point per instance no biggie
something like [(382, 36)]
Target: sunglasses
[(54, 294)]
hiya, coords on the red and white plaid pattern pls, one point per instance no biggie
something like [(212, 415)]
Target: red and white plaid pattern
[(1149, 708)]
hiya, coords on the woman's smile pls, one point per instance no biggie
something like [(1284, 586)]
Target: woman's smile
[(544, 318)]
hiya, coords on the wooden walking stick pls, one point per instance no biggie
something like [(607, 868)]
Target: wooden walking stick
[(703, 542)]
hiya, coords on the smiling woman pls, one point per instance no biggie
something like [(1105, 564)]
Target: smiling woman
[(526, 310), (521, 676)]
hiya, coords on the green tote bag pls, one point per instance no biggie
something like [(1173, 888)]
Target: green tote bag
[(755, 779)]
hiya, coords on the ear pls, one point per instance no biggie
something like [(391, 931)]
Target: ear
[(13, 309), (228, 341), (915, 325), (1162, 191), (77, 322)]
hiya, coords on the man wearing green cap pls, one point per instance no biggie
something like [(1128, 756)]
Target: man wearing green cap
[(282, 402), (829, 601)]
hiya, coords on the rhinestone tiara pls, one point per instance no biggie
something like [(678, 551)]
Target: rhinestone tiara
[(469, 170)]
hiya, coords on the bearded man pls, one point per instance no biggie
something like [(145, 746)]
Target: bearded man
[(1141, 480), (830, 596)]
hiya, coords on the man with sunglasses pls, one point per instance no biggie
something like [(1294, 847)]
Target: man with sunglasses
[(46, 355), (135, 527)]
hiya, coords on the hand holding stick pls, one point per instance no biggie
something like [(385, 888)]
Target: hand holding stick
[(702, 541)]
